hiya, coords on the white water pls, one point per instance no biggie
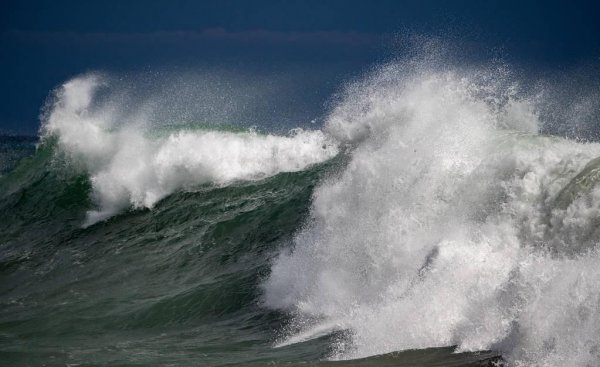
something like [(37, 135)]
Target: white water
[(128, 167), (443, 229)]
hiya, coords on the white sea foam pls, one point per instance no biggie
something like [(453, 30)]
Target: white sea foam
[(444, 227), (131, 167)]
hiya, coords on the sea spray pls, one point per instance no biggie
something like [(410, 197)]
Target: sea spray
[(128, 166), (444, 228)]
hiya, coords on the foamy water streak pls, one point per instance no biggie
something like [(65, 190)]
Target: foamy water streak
[(129, 167), (454, 223)]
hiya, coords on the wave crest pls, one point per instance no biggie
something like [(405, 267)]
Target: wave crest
[(130, 166)]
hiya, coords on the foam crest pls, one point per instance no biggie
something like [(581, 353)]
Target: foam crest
[(129, 166), (444, 228)]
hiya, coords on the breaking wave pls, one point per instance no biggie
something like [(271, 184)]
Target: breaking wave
[(129, 164), (431, 211), (454, 223)]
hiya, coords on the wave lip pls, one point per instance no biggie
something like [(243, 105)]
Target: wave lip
[(130, 167)]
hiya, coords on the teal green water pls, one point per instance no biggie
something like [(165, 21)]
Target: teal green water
[(13, 149), (178, 285)]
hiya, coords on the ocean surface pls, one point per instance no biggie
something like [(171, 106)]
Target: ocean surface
[(428, 222)]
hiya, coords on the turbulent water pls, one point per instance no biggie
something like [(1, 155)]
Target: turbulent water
[(428, 223)]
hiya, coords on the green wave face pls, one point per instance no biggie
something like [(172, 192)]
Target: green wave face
[(13, 149), (181, 277)]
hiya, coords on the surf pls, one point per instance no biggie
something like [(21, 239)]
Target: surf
[(432, 217)]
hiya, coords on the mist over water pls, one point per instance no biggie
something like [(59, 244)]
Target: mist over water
[(439, 205)]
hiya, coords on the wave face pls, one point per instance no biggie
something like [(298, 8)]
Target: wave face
[(176, 285), (129, 168), (13, 149), (453, 223)]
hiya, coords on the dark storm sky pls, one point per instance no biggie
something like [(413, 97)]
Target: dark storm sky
[(44, 43)]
